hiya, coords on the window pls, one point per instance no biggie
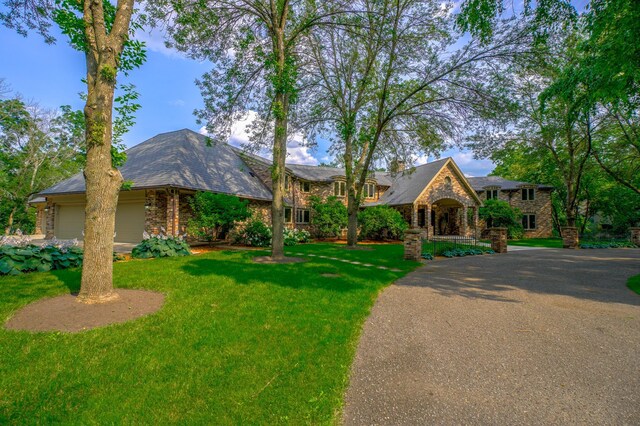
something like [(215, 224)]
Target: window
[(287, 215), (302, 216), (447, 181), (305, 186), (286, 182), (340, 189), (529, 221), (369, 190), (528, 194), (492, 194)]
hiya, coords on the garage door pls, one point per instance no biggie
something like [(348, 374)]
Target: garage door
[(129, 222)]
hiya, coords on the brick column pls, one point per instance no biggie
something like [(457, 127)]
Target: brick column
[(412, 244), (476, 219), (465, 222), (40, 214), (51, 220), (414, 216), (635, 235), (151, 211), (173, 213), (498, 238), (570, 237), (427, 221)]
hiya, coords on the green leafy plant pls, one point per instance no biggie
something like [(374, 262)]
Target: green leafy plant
[(18, 255), (160, 245), (295, 236), (381, 223), (498, 213), (215, 214), (329, 217), (254, 233)]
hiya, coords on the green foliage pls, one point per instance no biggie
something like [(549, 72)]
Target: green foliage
[(254, 233), (295, 236), (161, 246), (634, 283), (215, 214), (328, 217), (16, 260), (498, 213), (381, 223), (606, 244), (461, 252)]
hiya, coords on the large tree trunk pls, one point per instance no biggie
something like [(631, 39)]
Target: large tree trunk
[(7, 230), (103, 181), (352, 224)]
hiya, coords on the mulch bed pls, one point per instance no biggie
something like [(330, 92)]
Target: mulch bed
[(65, 313)]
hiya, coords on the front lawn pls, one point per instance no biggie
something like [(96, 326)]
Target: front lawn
[(634, 283), (235, 343), (537, 242)]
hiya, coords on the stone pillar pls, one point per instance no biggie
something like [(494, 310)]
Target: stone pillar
[(414, 216), (173, 212), (465, 222), (427, 221), (635, 235), (476, 220), (412, 244), (570, 237), (498, 238), (151, 223), (50, 211), (40, 215)]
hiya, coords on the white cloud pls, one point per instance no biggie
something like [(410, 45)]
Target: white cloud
[(154, 40), (298, 151)]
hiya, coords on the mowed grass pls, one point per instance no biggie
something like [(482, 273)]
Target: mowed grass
[(235, 343), (537, 242), (634, 283)]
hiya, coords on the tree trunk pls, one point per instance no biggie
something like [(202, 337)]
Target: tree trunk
[(7, 230), (103, 184), (352, 224)]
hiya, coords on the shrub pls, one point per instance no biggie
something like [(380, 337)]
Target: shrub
[(381, 223), (254, 233), (160, 246), (328, 217), (215, 214), (18, 255), (499, 213), (295, 236)]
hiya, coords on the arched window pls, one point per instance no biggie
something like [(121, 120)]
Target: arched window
[(447, 181)]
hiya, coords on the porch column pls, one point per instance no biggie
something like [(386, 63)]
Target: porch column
[(475, 222), (173, 212), (50, 211), (40, 214), (465, 221), (414, 216), (427, 220)]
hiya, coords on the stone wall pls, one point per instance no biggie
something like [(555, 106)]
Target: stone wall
[(51, 220)]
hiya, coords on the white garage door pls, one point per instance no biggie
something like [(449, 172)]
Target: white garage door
[(129, 222)]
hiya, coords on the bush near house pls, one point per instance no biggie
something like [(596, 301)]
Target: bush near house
[(256, 233), (498, 213), (160, 246), (381, 223), (215, 214), (328, 217)]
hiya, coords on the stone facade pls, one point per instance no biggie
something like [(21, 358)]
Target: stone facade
[(540, 206), (498, 237), (50, 211)]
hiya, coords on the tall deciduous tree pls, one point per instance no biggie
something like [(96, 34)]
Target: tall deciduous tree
[(102, 32), (253, 45), (389, 81)]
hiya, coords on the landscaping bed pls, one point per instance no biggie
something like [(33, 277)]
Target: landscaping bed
[(235, 341)]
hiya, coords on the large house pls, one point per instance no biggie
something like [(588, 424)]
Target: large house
[(169, 168)]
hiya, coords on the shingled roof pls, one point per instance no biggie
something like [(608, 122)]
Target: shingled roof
[(408, 185), (181, 159), (326, 174), (479, 183)]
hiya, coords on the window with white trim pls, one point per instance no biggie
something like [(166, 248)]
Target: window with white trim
[(305, 186), (302, 216), (529, 221), (492, 194), (528, 194), (340, 189), (287, 215), (369, 190)]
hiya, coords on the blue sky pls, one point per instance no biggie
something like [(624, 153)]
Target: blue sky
[(51, 75)]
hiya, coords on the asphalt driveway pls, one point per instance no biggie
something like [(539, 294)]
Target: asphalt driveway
[(532, 337)]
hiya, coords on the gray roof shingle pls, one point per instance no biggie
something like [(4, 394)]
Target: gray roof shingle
[(182, 159), (478, 183), (408, 185), (326, 174)]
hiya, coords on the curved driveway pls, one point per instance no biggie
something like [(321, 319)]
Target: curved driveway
[(531, 337)]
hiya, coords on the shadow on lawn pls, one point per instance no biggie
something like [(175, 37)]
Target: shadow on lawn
[(296, 275), (598, 275)]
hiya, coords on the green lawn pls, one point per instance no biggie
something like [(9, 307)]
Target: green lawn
[(236, 342), (634, 283), (537, 242)]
